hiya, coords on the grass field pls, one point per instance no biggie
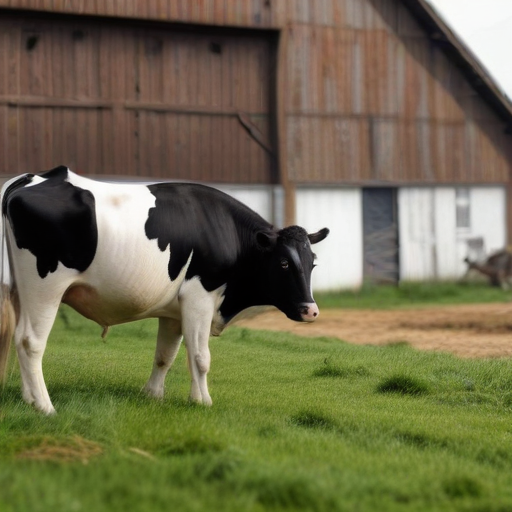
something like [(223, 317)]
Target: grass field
[(297, 424), (410, 294)]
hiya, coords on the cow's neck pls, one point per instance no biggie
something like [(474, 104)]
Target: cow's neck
[(243, 290)]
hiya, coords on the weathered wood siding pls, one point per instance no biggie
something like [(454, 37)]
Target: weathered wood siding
[(376, 102), (367, 96), (117, 99)]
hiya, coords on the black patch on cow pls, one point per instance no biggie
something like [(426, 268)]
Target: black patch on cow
[(59, 173), (54, 220), (261, 278), (190, 217), (19, 183), (232, 246)]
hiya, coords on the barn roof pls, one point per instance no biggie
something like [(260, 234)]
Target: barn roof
[(443, 37)]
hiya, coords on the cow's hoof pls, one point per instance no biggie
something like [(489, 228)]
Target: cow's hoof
[(45, 409), (207, 401), (157, 394)]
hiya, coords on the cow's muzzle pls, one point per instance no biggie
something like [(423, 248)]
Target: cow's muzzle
[(309, 312)]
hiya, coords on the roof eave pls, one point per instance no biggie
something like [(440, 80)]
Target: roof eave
[(477, 75)]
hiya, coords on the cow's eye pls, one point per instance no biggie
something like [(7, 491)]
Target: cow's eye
[(284, 264)]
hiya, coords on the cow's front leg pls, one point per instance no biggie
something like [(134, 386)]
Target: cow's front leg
[(197, 308), (167, 346)]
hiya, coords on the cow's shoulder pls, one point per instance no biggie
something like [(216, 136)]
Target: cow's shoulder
[(195, 218), (54, 220)]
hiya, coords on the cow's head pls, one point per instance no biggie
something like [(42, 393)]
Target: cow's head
[(289, 262)]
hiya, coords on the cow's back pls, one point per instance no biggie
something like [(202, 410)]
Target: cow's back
[(89, 238), (124, 250)]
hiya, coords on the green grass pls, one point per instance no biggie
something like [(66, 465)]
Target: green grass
[(413, 294), (297, 424)]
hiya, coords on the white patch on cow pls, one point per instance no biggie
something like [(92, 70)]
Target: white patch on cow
[(39, 301), (35, 181), (200, 318), (311, 285), (202, 299), (167, 346), (5, 268), (312, 310), (129, 272)]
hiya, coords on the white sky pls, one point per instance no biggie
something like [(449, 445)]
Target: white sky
[(486, 27)]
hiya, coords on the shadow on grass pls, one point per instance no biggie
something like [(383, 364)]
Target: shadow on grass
[(193, 444), (463, 487), (343, 372), (421, 440), (403, 385), (313, 420)]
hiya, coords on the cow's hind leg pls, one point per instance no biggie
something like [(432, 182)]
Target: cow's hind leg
[(39, 300), (167, 346), (30, 338)]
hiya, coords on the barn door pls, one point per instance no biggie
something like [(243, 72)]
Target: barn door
[(149, 101), (380, 235)]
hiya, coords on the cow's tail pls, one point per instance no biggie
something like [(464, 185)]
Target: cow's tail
[(7, 326), (7, 286)]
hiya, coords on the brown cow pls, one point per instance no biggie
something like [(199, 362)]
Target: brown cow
[(497, 267)]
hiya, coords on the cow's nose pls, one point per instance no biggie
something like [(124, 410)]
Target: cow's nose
[(309, 312)]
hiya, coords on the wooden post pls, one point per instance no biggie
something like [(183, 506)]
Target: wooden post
[(289, 204), (282, 128)]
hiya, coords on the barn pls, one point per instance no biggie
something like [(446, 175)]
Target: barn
[(366, 116)]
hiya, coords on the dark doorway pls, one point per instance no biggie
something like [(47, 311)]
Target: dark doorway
[(380, 235)]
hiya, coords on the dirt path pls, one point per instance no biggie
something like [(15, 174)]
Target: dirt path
[(481, 330)]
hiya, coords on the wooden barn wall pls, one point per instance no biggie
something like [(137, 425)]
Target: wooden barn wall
[(114, 99), (375, 101), (367, 97)]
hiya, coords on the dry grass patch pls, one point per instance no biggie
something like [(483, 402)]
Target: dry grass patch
[(63, 450)]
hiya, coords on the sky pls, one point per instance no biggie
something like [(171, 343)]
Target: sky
[(485, 26)]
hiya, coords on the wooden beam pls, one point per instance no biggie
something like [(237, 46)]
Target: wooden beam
[(282, 145)]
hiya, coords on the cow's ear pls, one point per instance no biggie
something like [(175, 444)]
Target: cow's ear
[(266, 240), (314, 238)]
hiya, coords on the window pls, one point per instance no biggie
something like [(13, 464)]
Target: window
[(462, 208)]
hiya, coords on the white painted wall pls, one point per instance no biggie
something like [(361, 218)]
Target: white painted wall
[(448, 262), (427, 233), (488, 216), (340, 255), (258, 198), (431, 245), (415, 233)]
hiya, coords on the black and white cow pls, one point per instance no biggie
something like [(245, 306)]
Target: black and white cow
[(187, 254)]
